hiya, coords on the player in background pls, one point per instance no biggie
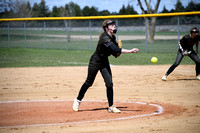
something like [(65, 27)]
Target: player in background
[(106, 46), (186, 49)]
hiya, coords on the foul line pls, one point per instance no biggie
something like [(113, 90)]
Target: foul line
[(160, 111)]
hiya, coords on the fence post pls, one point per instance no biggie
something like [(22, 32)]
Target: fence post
[(117, 28), (146, 50), (44, 34), (178, 29), (8, 34), (25, 32), (90, 24), (66, 24)]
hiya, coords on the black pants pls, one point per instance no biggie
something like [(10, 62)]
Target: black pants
[(95, 65), (180, 56)]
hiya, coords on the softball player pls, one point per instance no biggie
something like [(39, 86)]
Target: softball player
[(186, 49), (106, 46)]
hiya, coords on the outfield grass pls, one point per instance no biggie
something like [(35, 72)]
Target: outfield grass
[(53, 52), (36, 39), (159, 46), (21, 57), (63, 32)]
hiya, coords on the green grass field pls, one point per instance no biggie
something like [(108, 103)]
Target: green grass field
[(27, 57), (79, 52), (57, 40), (35, 39), (53, 32)]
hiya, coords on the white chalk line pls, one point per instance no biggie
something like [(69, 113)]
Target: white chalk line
[(159, 111)]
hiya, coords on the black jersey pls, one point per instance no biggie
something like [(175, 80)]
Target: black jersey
[(107, 46), (187, 43)]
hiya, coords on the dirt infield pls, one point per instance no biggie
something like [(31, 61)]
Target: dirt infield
[(46, 96)]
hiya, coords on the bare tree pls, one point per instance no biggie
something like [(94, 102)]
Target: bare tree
[(16, 8), (71, 9), (151, 22), (65, 13), (21, 9), (6, 5)]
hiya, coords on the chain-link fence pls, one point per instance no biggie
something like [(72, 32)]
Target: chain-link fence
[(84, 34)]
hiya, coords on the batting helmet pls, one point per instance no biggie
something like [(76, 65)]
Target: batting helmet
[(194, 30)]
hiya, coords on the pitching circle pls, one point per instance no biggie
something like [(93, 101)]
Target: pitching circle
[(160, 110)]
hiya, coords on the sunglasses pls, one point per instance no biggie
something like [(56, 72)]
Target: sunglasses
[(111, 22), (195, 31)]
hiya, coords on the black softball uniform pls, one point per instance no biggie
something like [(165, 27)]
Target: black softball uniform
[(99, 61), (187, 43)]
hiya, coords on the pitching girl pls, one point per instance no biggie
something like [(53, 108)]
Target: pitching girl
[(106, 46)]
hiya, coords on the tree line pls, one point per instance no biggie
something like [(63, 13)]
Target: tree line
[(23, 9)]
